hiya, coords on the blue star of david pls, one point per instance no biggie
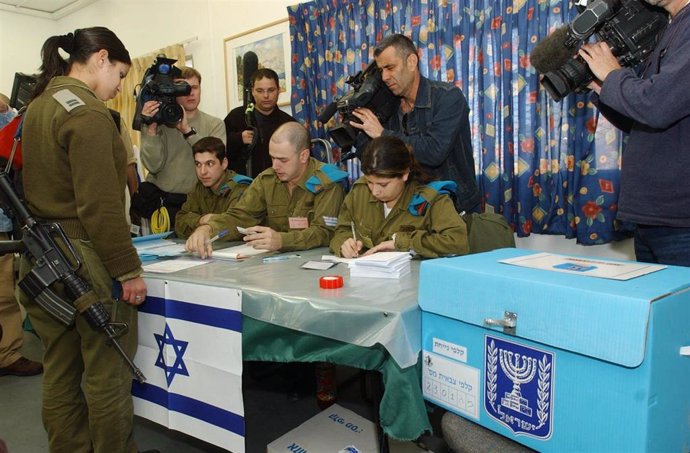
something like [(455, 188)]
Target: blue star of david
[(179, 347)]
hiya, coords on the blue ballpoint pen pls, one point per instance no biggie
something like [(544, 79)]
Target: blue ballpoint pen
[(218, 236), (272, 259)]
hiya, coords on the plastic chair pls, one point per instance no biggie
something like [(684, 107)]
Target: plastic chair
[(327, 146)]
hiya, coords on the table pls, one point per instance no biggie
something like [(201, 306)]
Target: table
[(371, 324)]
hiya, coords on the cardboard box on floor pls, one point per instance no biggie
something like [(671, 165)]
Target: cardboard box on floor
[(329, 431)]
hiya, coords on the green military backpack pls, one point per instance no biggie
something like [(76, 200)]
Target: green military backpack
[(488, 231)]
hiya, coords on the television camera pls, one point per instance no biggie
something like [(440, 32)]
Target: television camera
[(368, 91), (159, 85), (629, 27)]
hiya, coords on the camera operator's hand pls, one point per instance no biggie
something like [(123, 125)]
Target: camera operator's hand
[(600, 60), (370, 123), (247, 137), (150, 109), (183, 126)]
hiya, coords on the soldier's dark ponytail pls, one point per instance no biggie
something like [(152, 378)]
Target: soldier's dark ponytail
[(80, 45)]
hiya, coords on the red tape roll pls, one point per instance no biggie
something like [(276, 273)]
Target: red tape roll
[(331, 282)]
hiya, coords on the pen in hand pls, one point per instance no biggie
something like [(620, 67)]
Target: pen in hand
[(354, 236), (218, 236)]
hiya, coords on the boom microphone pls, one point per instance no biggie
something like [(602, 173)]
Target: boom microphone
[(552, 52), (250, 64)]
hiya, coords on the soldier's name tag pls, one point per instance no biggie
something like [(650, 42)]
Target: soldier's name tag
[(298, 223)]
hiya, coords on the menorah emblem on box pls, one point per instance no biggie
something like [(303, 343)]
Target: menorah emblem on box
[(524, 376)]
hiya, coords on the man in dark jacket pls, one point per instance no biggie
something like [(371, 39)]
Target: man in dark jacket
[(249, 129), (654, 108), (433, 118)]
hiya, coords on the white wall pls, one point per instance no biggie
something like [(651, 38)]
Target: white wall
[(21, 38), (147, 25)]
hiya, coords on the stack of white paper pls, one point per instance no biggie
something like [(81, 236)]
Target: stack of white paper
[(237, 252), (381, 265)]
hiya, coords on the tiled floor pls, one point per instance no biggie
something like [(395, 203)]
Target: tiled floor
[(270, 411)]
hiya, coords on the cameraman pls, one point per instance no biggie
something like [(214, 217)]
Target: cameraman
[(166, 152), (433, 118), (654, 109)]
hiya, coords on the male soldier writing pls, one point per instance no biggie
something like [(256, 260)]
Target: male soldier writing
[(291, 206)]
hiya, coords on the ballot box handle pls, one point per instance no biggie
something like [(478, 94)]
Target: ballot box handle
[(509, 322)]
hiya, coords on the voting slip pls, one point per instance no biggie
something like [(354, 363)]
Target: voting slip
[(237, 252), (381, 265), (155, 246)]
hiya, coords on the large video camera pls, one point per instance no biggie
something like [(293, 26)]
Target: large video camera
[(368, 91), (629, 27), (159, 85)]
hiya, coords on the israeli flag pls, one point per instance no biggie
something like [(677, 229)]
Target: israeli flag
[(190, 350)]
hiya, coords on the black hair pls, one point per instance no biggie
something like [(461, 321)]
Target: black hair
[(211, 145), (389, 157), (403, 45), (265, 73), (80, 45)]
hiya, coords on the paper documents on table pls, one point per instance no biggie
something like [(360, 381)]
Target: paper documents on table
[(336, 259), (591, 267), (237, 252), (155, 246), (381, 265)]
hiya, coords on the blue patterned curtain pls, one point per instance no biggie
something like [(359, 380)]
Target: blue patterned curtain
[(539, 163)]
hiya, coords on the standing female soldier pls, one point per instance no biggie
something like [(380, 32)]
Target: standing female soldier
[(74, 173), (395, 206)]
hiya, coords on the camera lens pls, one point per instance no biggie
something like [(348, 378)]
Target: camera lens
[(572, 76), (170, 113)]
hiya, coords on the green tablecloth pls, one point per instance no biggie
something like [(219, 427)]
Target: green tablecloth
[(402, 412)]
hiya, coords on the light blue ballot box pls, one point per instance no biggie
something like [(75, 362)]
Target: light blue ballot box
[(549, 356)]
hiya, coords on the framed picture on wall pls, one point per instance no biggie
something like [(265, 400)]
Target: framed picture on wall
[(271, 45)]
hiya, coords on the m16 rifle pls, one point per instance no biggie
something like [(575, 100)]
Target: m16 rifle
[(40, 242)]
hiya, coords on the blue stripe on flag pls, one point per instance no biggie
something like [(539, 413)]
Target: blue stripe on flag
[(213, 415), (200, 314)]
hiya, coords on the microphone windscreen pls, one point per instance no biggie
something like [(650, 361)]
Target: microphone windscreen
[(250, 63), (551, 53)]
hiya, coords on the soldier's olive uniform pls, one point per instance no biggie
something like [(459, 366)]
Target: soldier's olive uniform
[(424, 220), (75, 173), (202, 200), (316, 197)]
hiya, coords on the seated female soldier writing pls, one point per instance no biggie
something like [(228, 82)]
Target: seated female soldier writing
[(396, 206)]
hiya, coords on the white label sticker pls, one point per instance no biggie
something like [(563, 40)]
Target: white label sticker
[(452, 384), (449, 349)]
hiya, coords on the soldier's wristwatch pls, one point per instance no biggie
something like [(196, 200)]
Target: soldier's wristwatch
[(191, 132)]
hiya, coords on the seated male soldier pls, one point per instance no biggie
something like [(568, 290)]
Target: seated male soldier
[(291, 206), (217, 190)]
